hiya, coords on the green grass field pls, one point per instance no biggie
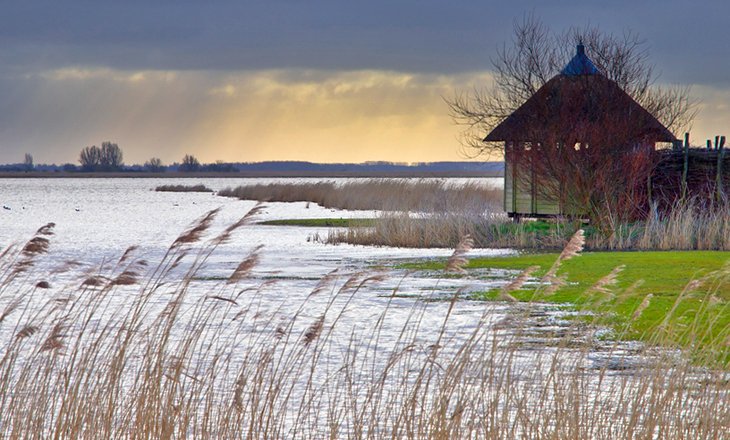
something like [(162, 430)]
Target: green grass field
[(689, 303)]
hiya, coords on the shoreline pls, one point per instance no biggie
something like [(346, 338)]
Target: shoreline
[(242, 174)]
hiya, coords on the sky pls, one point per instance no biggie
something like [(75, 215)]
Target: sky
[(317, 80)]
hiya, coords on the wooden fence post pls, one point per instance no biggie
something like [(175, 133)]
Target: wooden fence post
[(685, 169), (718, 172)]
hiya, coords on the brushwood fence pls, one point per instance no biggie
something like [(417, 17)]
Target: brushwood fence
[(698, 173)]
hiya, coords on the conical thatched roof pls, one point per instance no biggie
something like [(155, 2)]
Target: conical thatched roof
[(577, 100)]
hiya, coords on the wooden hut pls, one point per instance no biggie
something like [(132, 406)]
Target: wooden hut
[(569, 111)]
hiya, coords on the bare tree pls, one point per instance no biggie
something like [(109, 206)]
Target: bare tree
[(90, 158), (189, 163), (154, 165), (28, 162), (107, 158), (111, 157), (537, 54)]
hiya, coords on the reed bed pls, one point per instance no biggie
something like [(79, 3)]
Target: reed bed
[(443, 230), (183, 188), (433, 213), (688, 226), (379, 194), (133, 350)]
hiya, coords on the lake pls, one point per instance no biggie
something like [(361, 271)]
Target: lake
[(98, 219), (354, 296), (101, 217)]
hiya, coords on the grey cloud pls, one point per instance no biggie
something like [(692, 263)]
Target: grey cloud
[(425, 35)]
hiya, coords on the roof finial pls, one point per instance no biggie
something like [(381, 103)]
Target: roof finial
[(580, 64)]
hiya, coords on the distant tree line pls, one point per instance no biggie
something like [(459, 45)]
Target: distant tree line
[(109, 158), (154, 165)]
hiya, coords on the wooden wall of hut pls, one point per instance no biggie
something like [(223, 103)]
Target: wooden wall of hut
[(522, 197), (698, 174)]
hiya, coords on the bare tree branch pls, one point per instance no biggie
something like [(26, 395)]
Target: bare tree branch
[(537, 54)]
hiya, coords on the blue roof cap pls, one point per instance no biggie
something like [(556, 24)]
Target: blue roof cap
[(580, 64)]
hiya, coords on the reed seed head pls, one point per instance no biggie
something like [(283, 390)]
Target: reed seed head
[(519, 281), (26, 331), (644, 304), (609, 280), (245, 267), (314, 331), (196, 231), (126, 278), (458, 260)]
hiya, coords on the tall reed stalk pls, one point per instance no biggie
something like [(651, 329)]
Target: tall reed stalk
[(132, 350)]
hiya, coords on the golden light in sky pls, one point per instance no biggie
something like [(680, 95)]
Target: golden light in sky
[(319, 116), (247, 116), (333, 117)]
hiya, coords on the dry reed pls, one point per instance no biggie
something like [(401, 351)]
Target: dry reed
[(153, 359), (516, 284), (689, 226), (456, 262), (379, 194)]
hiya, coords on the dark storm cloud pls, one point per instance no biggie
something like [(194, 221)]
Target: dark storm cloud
[(227, 35), (686, 40)]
